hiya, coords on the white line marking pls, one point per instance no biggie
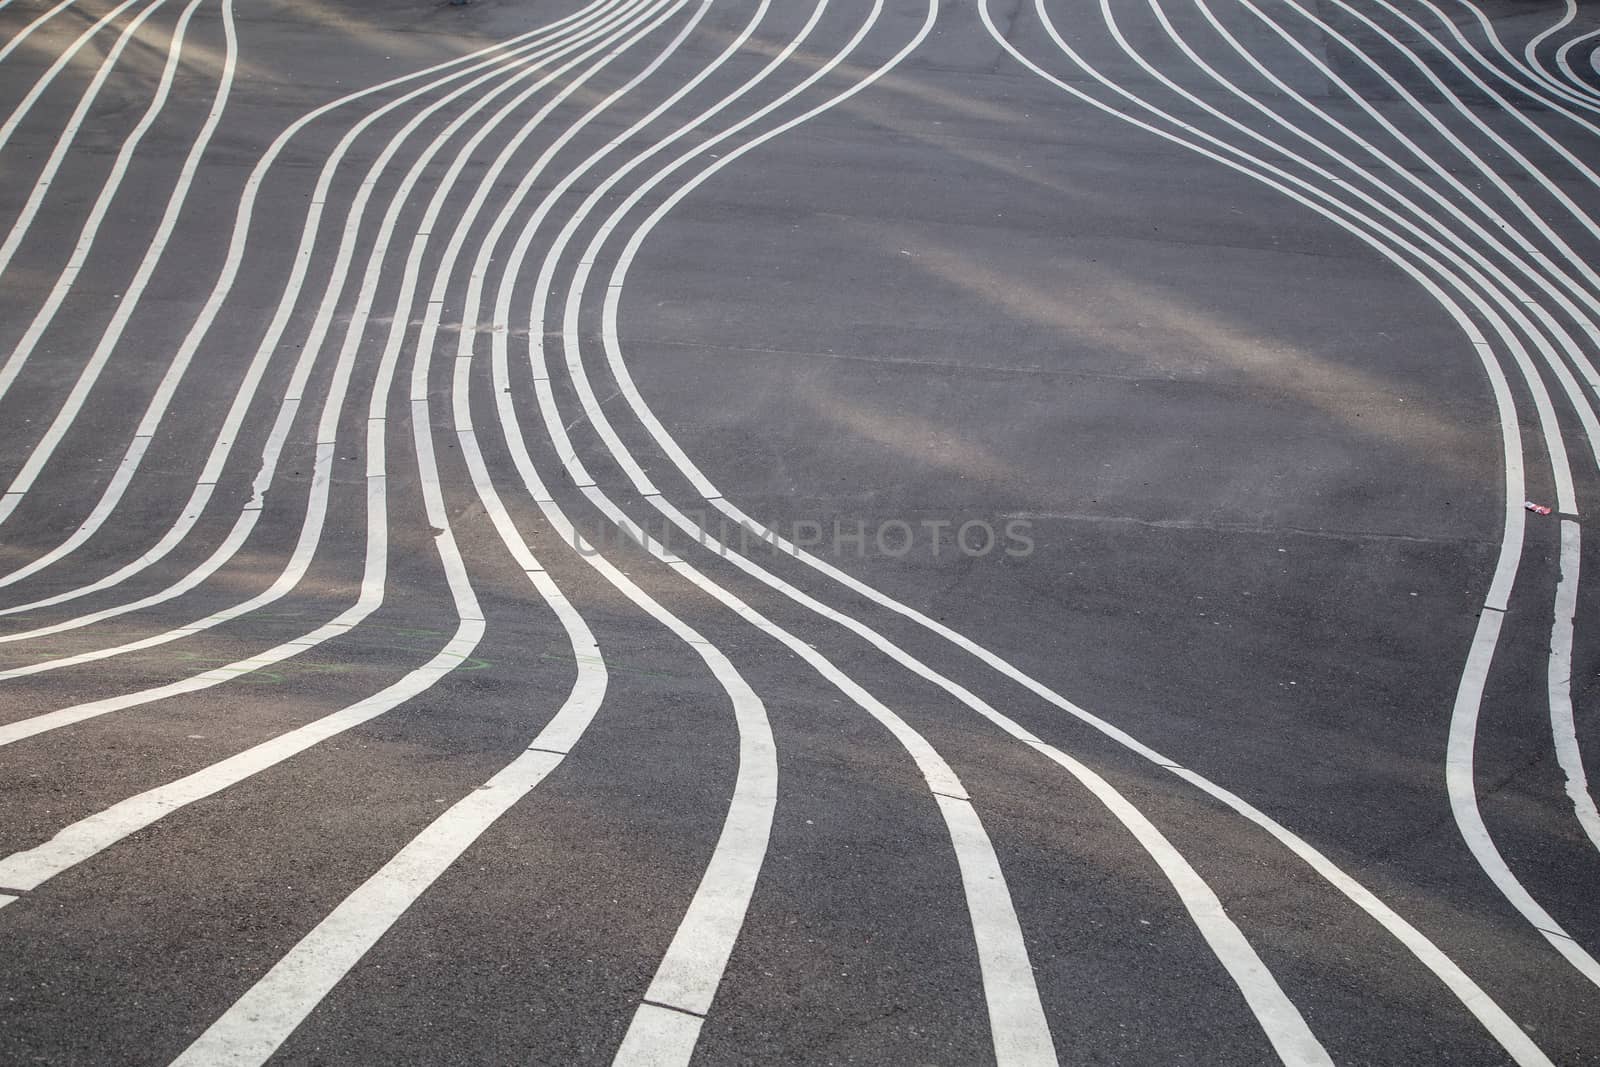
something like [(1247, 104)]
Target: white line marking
[(1563, 729), (154, 251), (311, 529), (483, 59), (27, 31), (24, 348)]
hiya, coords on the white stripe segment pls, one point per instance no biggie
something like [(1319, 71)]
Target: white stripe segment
[(153, 254)]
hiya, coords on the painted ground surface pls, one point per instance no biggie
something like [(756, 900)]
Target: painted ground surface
[(799, 531)]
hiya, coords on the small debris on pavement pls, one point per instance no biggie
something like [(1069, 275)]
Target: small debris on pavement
[(1537, 509)]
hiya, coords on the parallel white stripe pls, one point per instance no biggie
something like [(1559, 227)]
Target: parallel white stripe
[(44, 80), (717, 911), (1563, 728), (1560, 695), (80, 249), (1459, 772), (154, 251), (1495, 1020), (1539, 76), (372, 585), (311, 529), (89, 836), (482, 59), (692, 966), (1021, 1034), (27, 31)]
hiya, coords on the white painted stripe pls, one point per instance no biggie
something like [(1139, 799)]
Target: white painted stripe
[(1562, 727), (1022, 1029), (153, 254), (1503, 1028), (659, 1037), (492, 59), (1278, 1015), (66, 56), (269, 1013), (27, 31), (30, 208), (1464, 718), (1463, 791), (89, 836), (311, 529), (1021, 1035)]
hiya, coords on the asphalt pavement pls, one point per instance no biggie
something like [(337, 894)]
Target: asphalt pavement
[(799, 531)]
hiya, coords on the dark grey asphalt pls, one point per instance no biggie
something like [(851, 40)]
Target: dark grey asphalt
[(1260, 467)]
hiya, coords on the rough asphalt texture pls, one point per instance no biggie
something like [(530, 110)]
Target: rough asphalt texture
[(1260, 467)]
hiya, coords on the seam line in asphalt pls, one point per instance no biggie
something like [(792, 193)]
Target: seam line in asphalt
[(672, 1007)]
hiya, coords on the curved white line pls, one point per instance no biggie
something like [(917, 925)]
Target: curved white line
[(229, 432), (1530, 51), (64, 281), (1559, 680), (311, 529), (28, 869), (1494, 1019), (27, 31), (1536, 75), (372, 584), (1512, 300), (153, 254), (1459, 765), (9, 126)]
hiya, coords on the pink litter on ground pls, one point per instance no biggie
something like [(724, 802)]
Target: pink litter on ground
[(1537, 509)]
